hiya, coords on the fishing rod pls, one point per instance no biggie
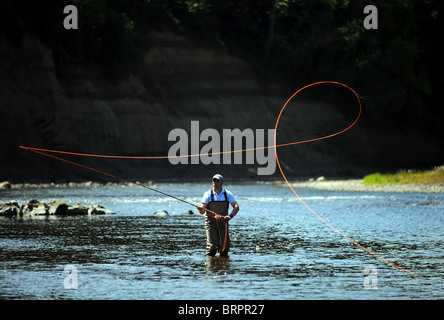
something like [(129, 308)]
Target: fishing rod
[(207, 211), (217, 216)]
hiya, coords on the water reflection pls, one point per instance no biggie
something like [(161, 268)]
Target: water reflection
[(217, 265)]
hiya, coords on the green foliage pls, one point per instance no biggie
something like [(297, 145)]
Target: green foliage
[(375, 178), (407, 177)]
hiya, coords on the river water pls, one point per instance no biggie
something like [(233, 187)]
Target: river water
[(280, 250)]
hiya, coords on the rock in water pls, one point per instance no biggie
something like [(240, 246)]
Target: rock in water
[(161, 213), (9, 208), (34, 207), (29, 206), (58, 207), (77, 209), (98, 209)]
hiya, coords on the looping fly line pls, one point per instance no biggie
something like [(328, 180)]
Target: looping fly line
[(275, 146)]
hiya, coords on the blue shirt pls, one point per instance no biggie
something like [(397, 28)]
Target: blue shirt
[(218, 197)]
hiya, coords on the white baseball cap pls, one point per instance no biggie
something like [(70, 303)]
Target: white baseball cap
[(219, 177)]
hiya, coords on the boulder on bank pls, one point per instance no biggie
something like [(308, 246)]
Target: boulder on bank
[(57, 207), (5, 185)]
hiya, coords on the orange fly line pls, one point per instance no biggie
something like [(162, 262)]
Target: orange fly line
[(275, 146)]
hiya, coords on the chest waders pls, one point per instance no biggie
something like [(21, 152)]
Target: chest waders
[(216, 229)]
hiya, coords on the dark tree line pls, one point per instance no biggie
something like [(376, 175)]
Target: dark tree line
[(397, 67)]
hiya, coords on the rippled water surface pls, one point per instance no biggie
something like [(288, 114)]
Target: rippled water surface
[(280, 250)]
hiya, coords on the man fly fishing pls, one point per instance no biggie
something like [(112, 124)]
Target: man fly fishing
[(218, 200)]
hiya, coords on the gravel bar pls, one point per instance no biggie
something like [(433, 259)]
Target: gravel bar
[(358, 186)]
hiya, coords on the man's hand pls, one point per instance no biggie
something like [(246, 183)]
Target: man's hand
[(201, 210), (221, 217)]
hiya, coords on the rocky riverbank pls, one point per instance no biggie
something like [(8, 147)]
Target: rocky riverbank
[(6, 185), (321, 184), (359, 186), (57, 207)]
